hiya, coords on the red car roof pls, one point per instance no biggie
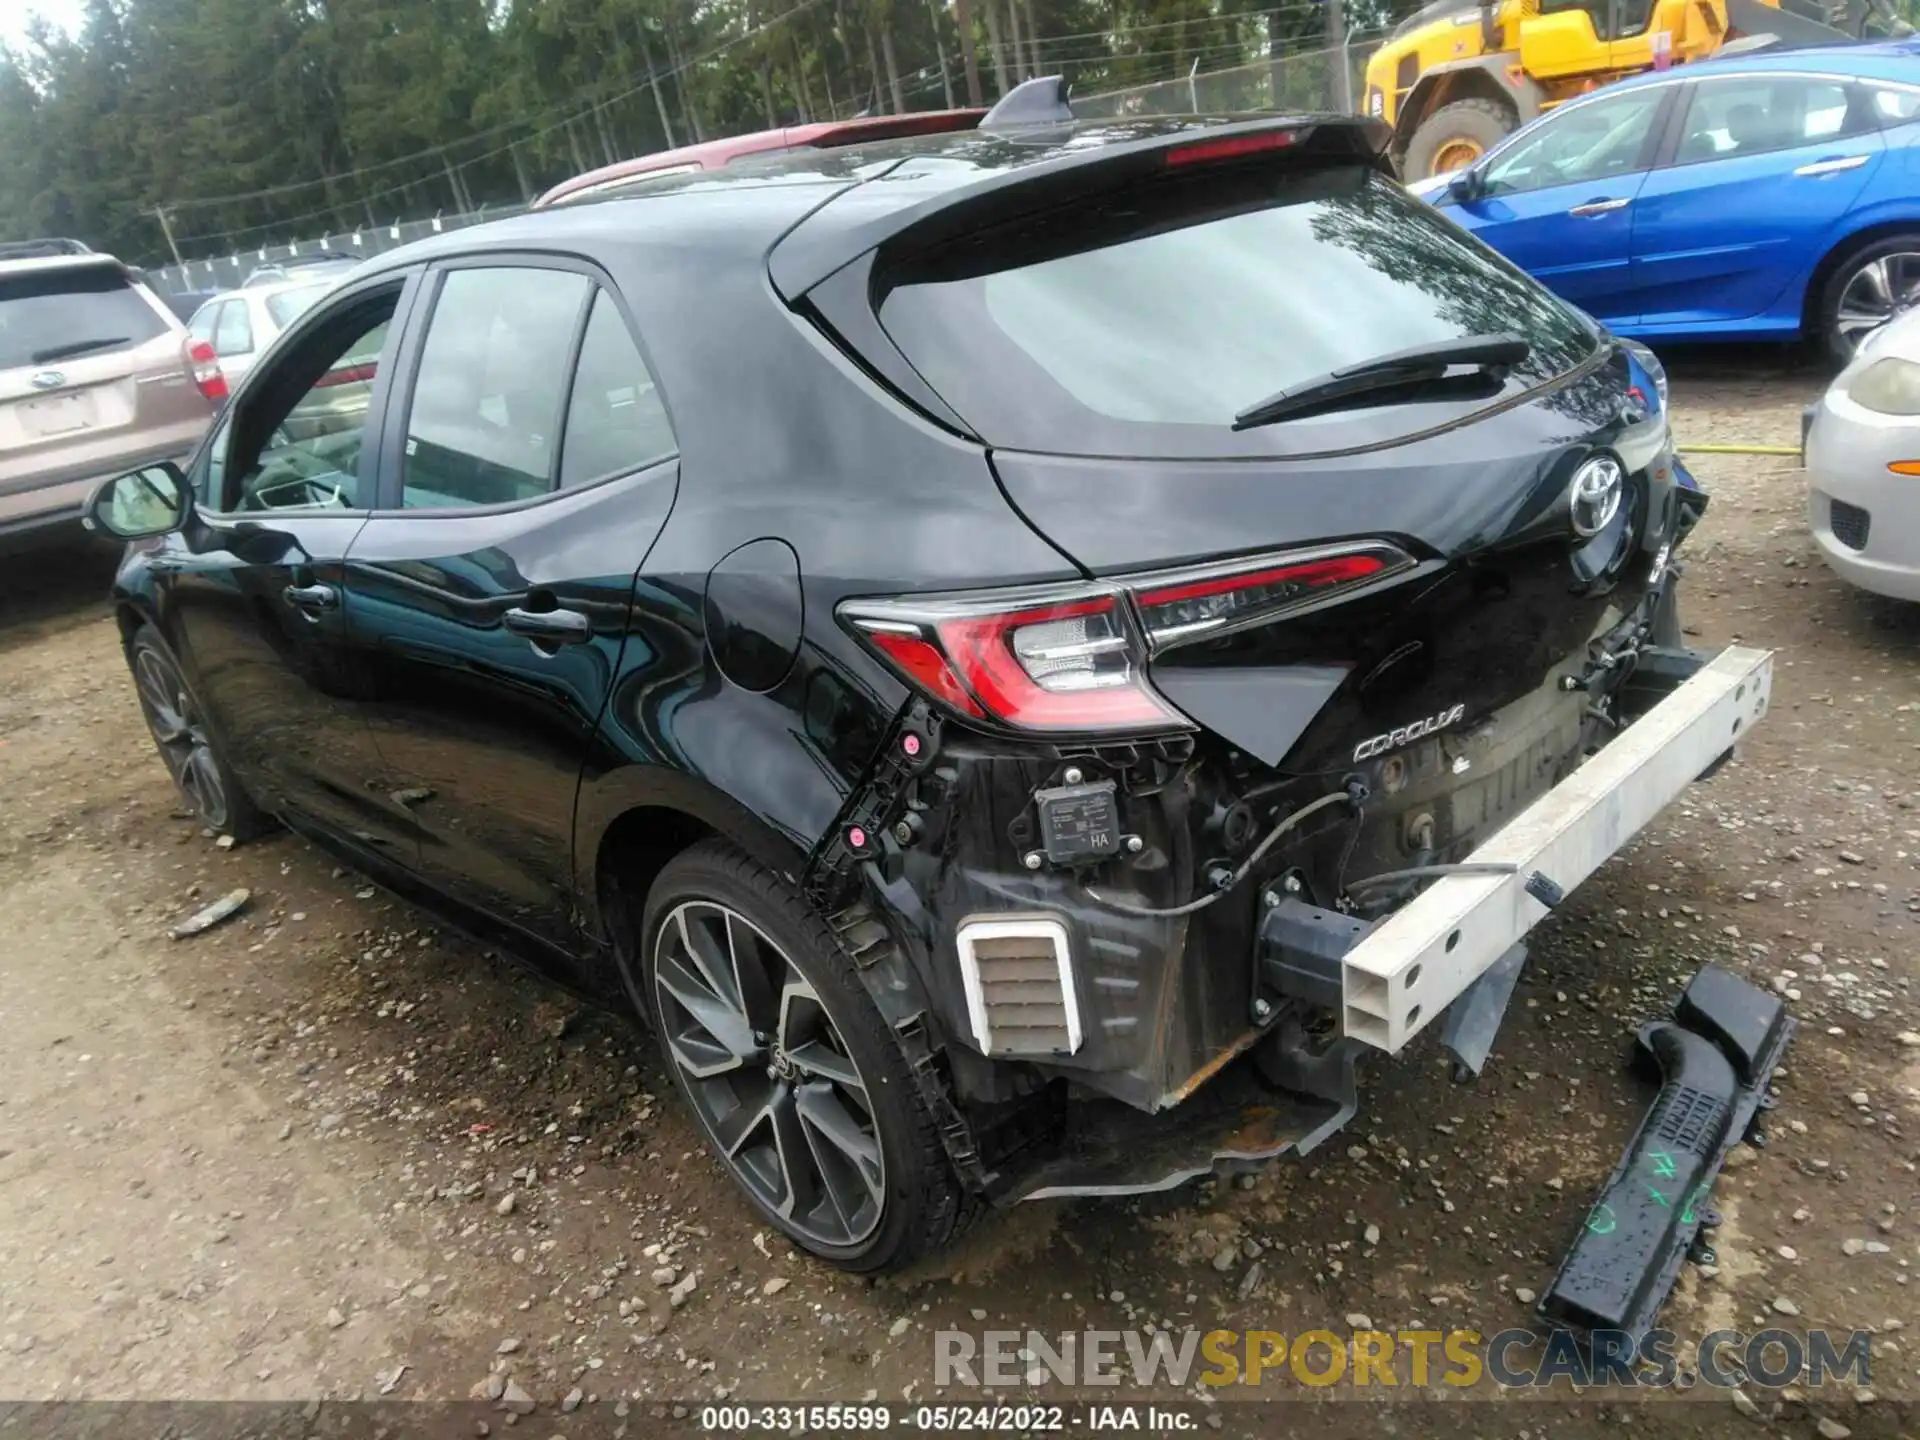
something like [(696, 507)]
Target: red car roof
[(713, 154)]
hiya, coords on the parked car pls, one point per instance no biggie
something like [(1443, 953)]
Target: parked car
[(1767, 197), (330, 265), (95, 376), (42, 249), (963, 653), (185, 304), (240, 324), (1863, 465), (626, 175)]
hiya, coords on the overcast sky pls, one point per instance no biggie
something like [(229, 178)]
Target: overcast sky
[(14, 14)]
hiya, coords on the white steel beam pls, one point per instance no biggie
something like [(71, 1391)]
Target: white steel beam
[(1403, 975)]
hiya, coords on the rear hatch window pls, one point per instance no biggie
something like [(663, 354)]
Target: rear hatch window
[(1142, 323), (288, 306), (52, 315)]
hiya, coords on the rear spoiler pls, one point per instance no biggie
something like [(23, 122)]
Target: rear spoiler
[(813, 251)]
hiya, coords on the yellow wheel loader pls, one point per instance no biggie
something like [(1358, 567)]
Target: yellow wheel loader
[(1454, 80)]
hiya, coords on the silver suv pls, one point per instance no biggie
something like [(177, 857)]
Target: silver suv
[(96, 378)]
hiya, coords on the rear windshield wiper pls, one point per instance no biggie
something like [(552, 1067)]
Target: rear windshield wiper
[(79, 347), (1421, 372)]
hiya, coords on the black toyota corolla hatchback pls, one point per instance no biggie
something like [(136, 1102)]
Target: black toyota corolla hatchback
[(964, 635)]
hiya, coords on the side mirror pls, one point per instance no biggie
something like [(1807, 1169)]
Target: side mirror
[(140, 504), (1464, 185)]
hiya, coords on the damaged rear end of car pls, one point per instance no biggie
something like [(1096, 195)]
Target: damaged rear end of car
[(1374, 544)]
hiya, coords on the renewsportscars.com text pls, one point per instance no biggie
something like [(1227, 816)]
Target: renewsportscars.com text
[(1515, 1358)]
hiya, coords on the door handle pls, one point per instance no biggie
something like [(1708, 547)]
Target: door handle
[(549, 627), (1600, 207), (313, 599), (1833, 166)]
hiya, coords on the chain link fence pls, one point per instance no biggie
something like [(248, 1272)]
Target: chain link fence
[(230, 271), (1300, 81), (1305, 80)]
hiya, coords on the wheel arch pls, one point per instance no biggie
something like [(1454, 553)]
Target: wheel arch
[(128, 617), (1842, 250), (636, 819), (1480, 77)]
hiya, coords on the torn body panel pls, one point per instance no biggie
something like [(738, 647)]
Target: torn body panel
[(1167, 1009)]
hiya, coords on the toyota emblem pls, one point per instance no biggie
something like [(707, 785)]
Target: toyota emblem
[(48, 380), (1597, 488)]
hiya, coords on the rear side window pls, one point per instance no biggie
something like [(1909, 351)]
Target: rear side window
[(1892, 106), (484, 428), (52, 315), (1141, 324), (286, 306), (1757, 114), (233, 330), (615, 421)]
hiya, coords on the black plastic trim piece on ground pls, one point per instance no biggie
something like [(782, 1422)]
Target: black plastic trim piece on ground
[(1715, 1056)]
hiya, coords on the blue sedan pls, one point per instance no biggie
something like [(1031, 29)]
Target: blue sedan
[(1767, 196)]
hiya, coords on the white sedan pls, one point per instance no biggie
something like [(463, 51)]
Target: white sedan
[(1863, 464)]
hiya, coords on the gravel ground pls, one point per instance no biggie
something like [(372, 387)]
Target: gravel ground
[(336, 1149)]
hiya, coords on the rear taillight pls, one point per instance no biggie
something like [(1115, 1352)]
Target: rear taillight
[(1074, 659), (1065, 661), (205, 367)]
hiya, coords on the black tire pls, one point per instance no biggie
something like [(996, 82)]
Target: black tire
[(1883, 276), (192, 756), (918, 1202), (1481, 123)]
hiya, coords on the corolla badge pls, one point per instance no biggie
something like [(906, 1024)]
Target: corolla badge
[(1407, 734), (1597, 489), (48, 380)]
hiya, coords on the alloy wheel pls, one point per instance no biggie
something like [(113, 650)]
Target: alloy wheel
[(768, 1073), (1878, 290), (177, 730)]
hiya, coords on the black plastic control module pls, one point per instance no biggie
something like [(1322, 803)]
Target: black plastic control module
[(1079, 823)]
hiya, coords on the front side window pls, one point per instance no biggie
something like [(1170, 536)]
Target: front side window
[(1596, 141), (485, 421), (297, 441), (1756, 114)]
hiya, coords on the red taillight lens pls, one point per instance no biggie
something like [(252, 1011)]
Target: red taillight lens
[(347, 375), (924, 664), (208, 378), (1071, 663), (1220, 598), (1070, 666)]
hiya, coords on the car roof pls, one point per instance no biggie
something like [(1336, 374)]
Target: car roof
[(44, 263), (265, 290), (1871, 60), (839, 193)]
